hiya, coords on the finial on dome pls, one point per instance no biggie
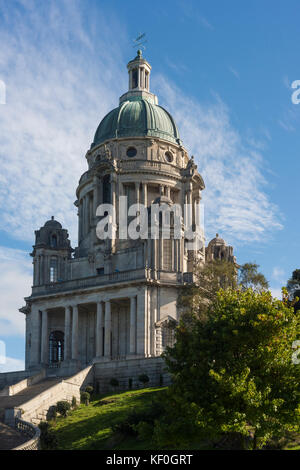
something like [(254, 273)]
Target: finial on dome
[(52, 217), (217, 235), (139, 53)]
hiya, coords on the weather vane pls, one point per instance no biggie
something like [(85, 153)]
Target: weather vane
[(140, 41)]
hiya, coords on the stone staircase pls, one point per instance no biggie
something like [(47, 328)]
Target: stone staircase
[(26, 395), (32, 403)]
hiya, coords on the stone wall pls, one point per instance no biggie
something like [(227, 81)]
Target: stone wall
[(11, 378), (36, 409), (130, 369), (11, 390)]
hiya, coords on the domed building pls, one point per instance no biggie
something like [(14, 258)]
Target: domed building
[(109, 301)]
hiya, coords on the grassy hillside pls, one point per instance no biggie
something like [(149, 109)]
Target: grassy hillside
[(90, 427)]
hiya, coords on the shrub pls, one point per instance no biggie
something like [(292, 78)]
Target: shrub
[(143, 378), (85, 398), (44, 426), (48, 437), (89, 389), (74, 402), (63, 407), (140, 422), (52, 413)]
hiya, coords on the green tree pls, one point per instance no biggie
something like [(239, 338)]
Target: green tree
[(233, 374), (249, 277), (195, 298)]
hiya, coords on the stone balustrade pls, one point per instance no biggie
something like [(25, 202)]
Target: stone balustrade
[(31, 431), (92, 281)]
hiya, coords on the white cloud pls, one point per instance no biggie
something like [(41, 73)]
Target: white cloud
[(12, 364), (192, 14), (15, 283), (236, 204), (234, 72), (62, 77), (279, 274), (276, 293)]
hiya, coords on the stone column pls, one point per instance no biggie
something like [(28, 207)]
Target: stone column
[(79, 221), (95, 195), (155, 266), (113, 190), (99, 330), (145, 194), (132, 334), (161, 252), (137, 193), (44, 337), (67, 333), (107, 329), (141, 324), (86, 214), (75, 332)]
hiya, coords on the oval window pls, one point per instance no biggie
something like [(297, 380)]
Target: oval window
[(131, 152), (169, 157)]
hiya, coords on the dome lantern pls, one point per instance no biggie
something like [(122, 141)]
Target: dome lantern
[(139, 73), (139, 80)]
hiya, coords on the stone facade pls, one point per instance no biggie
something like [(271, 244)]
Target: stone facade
[(114, 299)]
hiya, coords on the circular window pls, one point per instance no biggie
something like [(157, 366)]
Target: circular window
[(169, 157), (131, 152)]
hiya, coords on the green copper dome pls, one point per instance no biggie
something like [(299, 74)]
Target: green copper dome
[(137, 117)]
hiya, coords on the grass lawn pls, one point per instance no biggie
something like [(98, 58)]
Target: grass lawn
[(90, 427)]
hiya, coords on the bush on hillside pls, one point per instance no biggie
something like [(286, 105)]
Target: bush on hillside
[(48, 438), (85, 398), (63, 407)]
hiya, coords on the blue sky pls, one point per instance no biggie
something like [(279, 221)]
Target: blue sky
[(223, 69)]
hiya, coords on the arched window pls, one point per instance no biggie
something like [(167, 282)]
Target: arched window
[(56, 347), (53, 241), (134, 78), (106, 189), (53, 269)]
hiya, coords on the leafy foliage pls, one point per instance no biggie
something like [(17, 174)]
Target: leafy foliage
[(194, 299), (233, 372), (63, 407), (48, 438), (140, 422), (249, 277), (85, 397), (74, 402)]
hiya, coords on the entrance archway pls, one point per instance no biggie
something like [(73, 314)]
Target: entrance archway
[(56, 347)]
